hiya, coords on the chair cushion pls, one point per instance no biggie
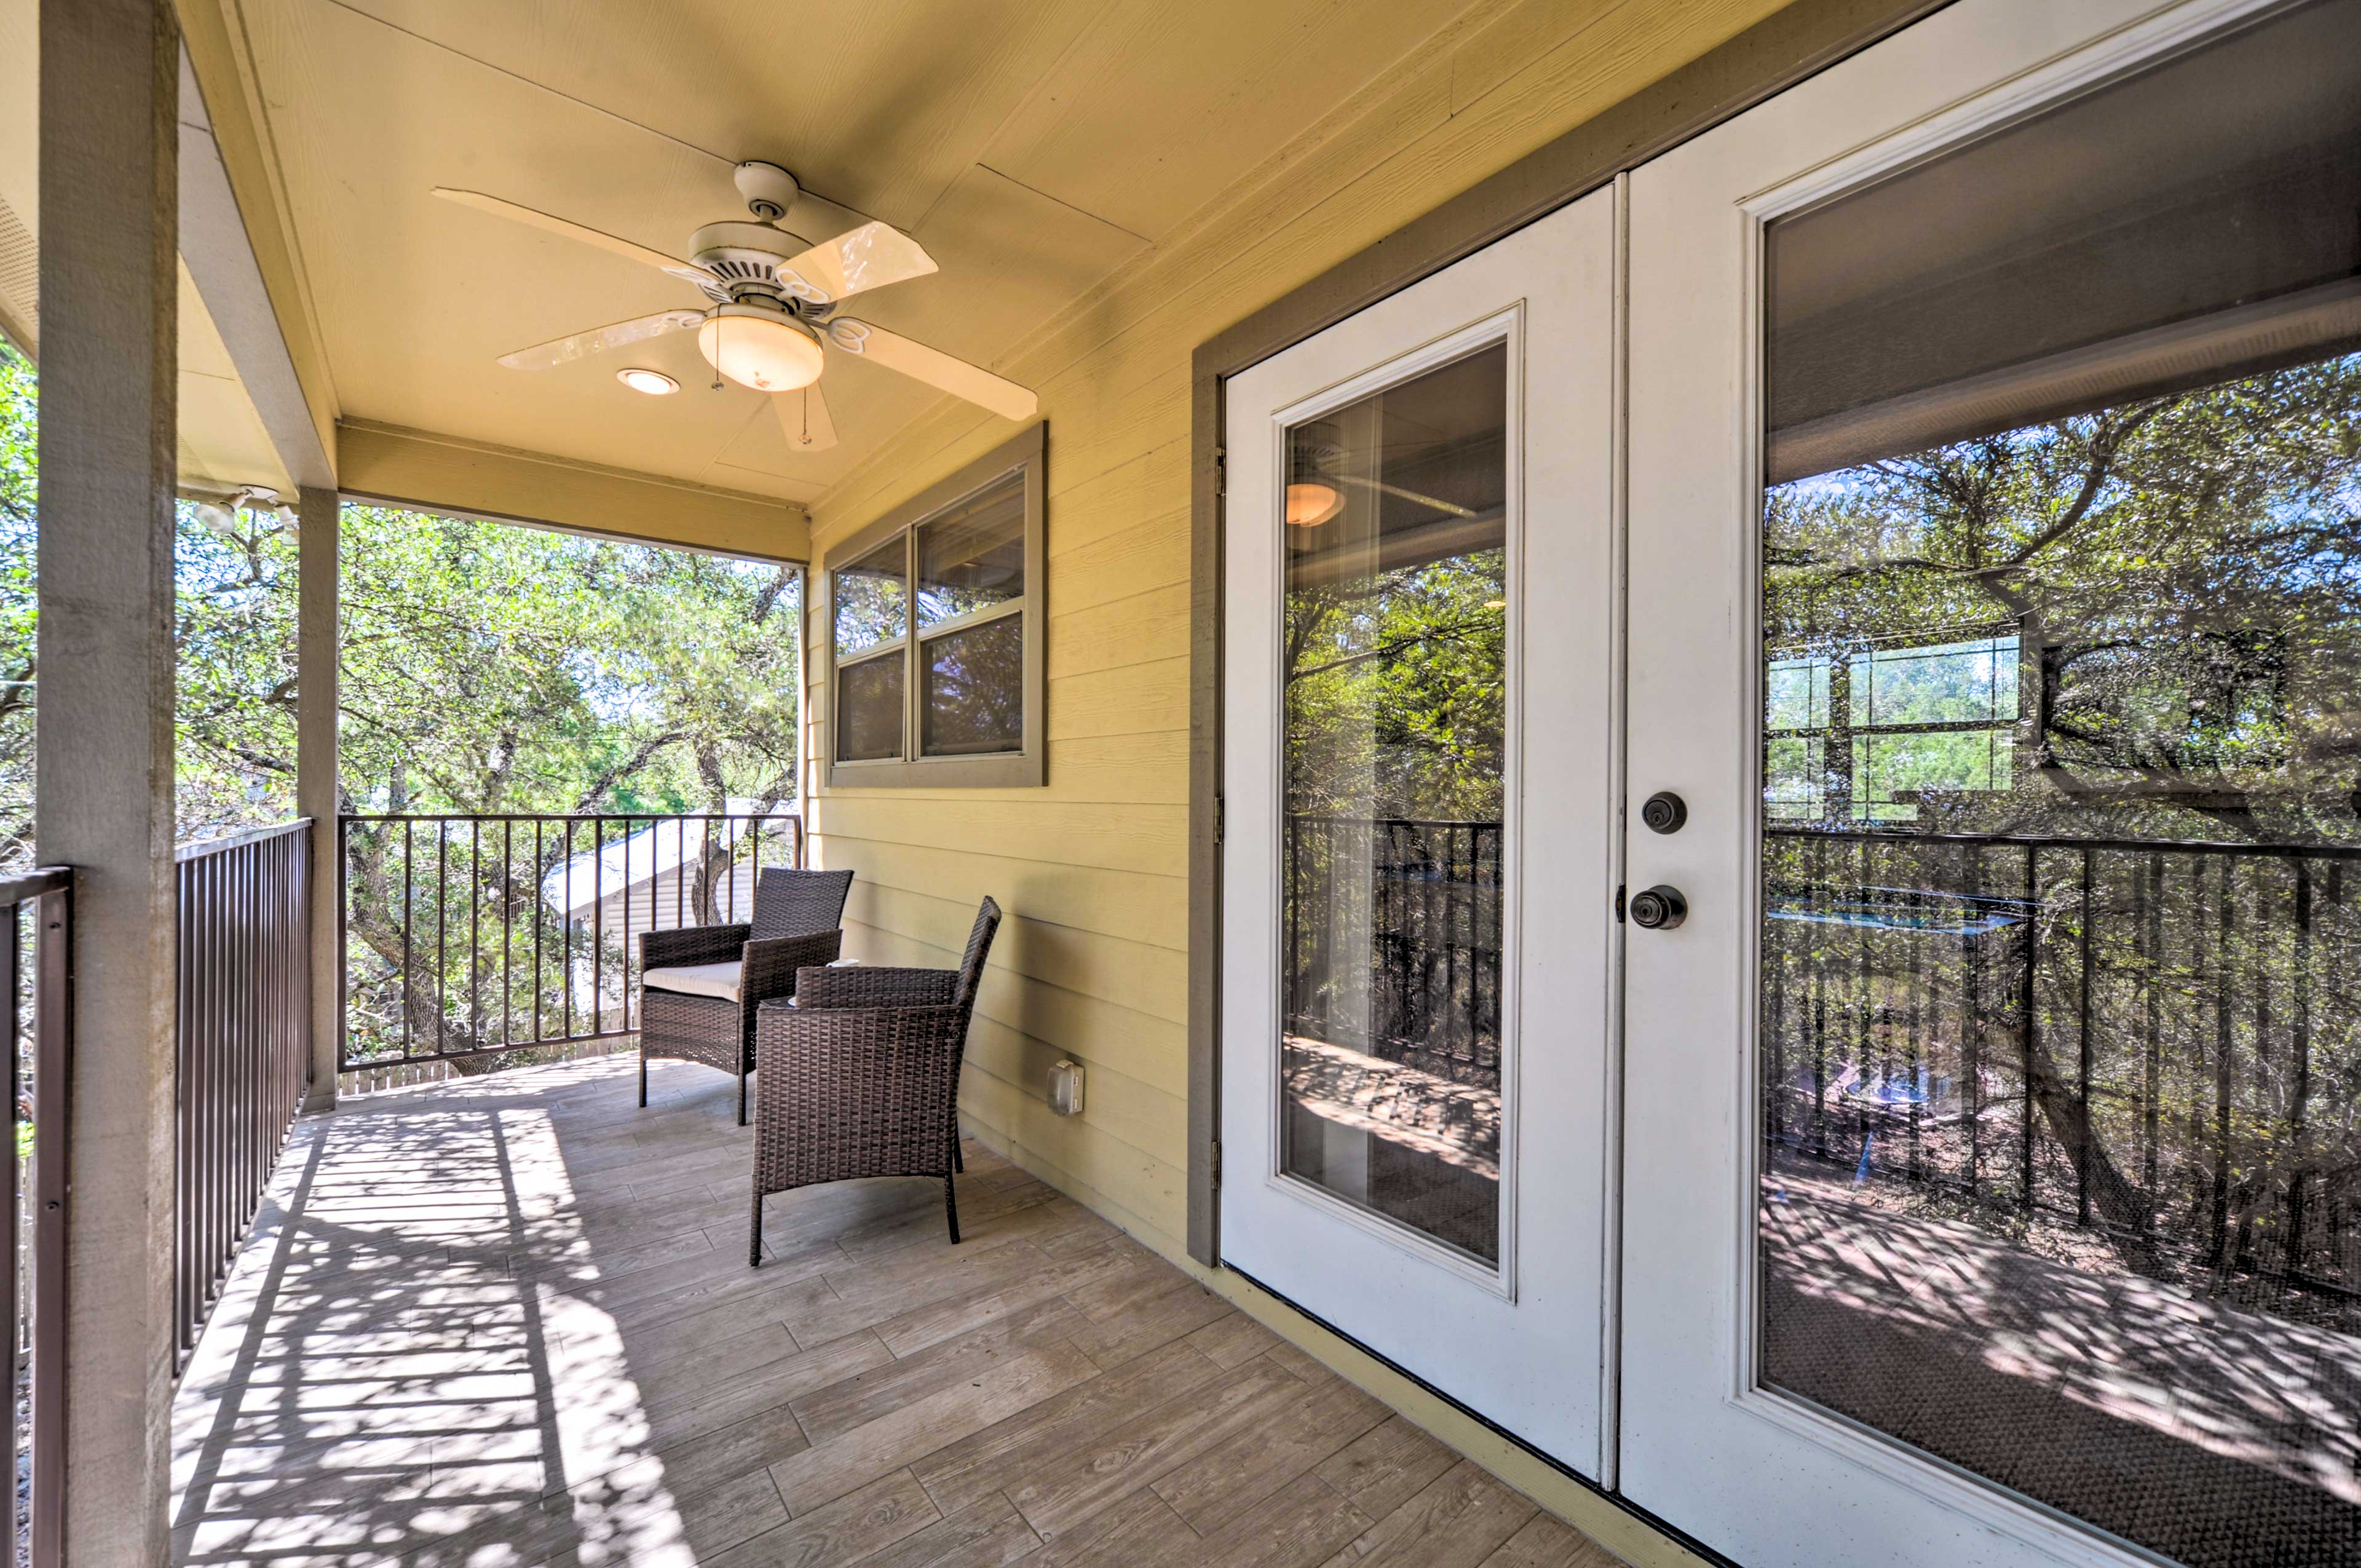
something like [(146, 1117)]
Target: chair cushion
[(696, 980)]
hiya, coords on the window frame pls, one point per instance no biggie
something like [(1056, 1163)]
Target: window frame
[(1025, 767), (1843, 729)]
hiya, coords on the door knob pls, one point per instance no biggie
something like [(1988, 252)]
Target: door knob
[(1660, 908)]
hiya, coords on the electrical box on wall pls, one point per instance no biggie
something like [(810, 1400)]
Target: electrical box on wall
[(1066, 1088)]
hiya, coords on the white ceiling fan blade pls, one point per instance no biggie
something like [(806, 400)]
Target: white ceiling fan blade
[(933, 367), (1454, 508), (687, 272), (803, 414), (598, 340), (867, 258)]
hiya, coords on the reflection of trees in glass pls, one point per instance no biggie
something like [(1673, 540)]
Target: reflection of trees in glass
[(975, 688), (1397, 692), (2182, 571), (869, 702), (973, 558), (2150, 1048), (872, 598)]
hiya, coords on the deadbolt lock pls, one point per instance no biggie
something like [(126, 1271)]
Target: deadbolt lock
[(1665, 811)]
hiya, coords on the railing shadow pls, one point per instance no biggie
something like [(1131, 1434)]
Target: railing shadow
[(2135, 1406), (389, 1382), (476, 1329)]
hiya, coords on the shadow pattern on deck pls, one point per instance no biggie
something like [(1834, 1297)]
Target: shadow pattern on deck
[(505, 1323)]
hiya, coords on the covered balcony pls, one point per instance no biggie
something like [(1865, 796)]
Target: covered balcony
[(1323, 783)]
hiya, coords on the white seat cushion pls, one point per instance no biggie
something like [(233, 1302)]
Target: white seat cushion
[(696, 980)]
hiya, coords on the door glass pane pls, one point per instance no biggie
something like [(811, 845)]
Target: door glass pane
[(1395, 696), (869, 708), (972, 556), (973, 699), (2060, 1049), (871, 604)]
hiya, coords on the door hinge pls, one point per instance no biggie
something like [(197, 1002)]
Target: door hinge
[(1619, 902), (1216, 1162), (1220, 471), (1221, 816)]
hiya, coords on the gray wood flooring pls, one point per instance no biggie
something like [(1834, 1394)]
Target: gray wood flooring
[(508, 1322)]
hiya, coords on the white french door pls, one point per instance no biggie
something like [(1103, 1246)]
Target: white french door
[(1419, 798), (1992, 510)]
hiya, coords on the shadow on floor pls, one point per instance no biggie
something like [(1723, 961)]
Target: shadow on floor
[(508, 1322)]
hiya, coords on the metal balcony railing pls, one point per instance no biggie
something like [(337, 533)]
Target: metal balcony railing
[(2156, 1045), (467, 935), (37, 954), (242, 1056), (1391, 940)]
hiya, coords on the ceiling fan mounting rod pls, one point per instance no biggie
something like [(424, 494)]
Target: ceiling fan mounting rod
[(769, 190)]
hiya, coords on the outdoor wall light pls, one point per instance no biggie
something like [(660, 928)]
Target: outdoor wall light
[(756, 347), (654, 383)]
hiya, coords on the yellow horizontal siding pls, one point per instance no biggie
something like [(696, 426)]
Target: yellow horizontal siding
[(1092, 868)]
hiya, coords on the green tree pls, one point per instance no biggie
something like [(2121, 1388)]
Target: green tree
[(483, 668)]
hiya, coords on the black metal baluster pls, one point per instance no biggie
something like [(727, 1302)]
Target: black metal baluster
[(408, 843), (2299, 1087), (597, 924), (476, 931), (565, 981), (2221, 1205), (539, 923), (442, 933), (2028, 1036), (2148, 911), (2082, 1030), (508, 930)]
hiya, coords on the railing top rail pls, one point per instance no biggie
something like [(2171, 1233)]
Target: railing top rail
[(571, 817), (1394, 821), (229, 841), (31, 884), (2045, 841)]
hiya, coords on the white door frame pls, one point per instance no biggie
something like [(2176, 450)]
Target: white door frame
[(1762, 1476), (1527, 1347)]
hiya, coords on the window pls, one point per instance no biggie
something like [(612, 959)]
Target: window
[(935, 633), (1886, 733)]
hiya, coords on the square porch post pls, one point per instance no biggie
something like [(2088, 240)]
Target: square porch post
[(316, 646), (109, 145)]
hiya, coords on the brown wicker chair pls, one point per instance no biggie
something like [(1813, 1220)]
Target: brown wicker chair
[(859, 1076), (796, 915)]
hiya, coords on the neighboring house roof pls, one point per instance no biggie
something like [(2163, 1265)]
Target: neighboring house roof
[(655, 851)]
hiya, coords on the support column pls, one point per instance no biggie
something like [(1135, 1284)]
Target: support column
[(109, 141), (316, 643)]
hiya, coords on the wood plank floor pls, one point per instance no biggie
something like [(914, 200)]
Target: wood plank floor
[(508, 1322)]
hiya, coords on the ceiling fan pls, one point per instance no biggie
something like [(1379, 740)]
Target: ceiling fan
[(774, 298)]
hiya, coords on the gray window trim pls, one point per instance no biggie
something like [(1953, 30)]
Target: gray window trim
[(1025, 768)]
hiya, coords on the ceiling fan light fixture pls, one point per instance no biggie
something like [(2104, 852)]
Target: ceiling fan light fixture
[(654, 383), (758, 348), (1311, 503)]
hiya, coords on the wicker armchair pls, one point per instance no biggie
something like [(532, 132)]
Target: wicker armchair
[(699, 986), (859, 1076)]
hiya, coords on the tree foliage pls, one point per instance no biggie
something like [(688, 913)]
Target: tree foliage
[(1397, 691), (483, 668), (2182, 575)]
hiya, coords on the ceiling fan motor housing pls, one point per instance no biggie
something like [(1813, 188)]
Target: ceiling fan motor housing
[(744, 257)]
